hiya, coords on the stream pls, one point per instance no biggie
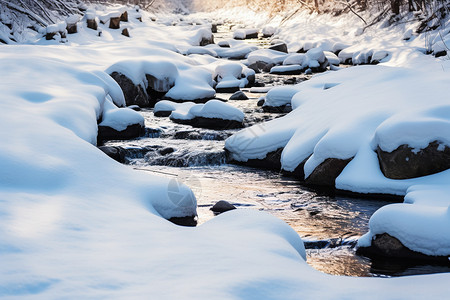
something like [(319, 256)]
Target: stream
[(329, 225)]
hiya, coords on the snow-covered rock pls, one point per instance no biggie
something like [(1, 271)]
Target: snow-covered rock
[(242, 34), (214, 114)]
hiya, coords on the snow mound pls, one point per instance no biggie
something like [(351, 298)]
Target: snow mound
[(213, 109)]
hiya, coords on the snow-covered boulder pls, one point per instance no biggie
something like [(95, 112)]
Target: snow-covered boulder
[(419, 228), (268, 31), (278, 99), (72, 22), (119, 123), (144, 82), (229, 77), (214, 114), (414, 144), (268, 56), (165, 107), (324, 124), (317, 61), (249, 33)]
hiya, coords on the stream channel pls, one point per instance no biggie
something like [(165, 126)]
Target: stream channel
[(329, 225)]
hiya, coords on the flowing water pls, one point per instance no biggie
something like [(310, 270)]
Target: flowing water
[(329, 225)]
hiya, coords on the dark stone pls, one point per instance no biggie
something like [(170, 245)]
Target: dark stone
[(222, 206), (440, 53), (187, 135), (125, 32), (134, 94), (385, 245), (139, 19), (157, 88), (326, 173), (207, 41), (106, 133), (277, 109), (239, 95), (162, 113), (290, 72), (403, 163), (166, 151), (268, 67), (282, 47), (92, 24), (185, 221), (224, 44), (292, 80), (260, 102), (228, 89), (272, 161), (254, 67), (116, 153), (215, 123), (135, 107), (214, 28), (114, 23), (50, 35), (124, 17), (72, 28), (251, 80), (252, 35)]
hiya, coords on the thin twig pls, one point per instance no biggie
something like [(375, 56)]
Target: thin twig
[(351, 9)]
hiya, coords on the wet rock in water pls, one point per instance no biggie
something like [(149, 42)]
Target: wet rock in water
[(135, 107), (134, 94), (283, 109), (222, 206), (162, 113), (326, 173), (187, 135), (227, 90), (260, 102), (185, 221), (115, 152), (239, 95), (106, 133), (292, 80), (215, 123), (406, 162), (166, 151), (282, 47), (268, 67), (387, 246), (272, 161)]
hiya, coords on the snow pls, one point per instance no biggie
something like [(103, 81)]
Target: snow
[(165, 105), (119, 118), (211, 109), (285, 69), (244, 33), (279, 96), (76, 224), (268, 56), (336, 122), (229, 75)]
